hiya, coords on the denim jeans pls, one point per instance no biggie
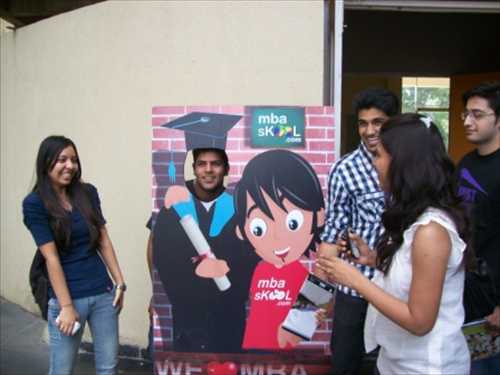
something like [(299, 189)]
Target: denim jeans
[(102, 318)]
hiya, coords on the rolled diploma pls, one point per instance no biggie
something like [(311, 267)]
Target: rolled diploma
[(202, 247)]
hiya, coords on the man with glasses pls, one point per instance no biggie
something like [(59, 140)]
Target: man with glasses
[(356, 201), (479, 186)]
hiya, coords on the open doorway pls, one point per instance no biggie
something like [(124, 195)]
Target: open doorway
[(429, 96), (381, 47)]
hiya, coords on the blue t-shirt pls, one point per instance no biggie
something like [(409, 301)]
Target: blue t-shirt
[(85, 272)]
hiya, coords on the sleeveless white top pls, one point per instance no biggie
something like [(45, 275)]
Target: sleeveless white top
[(441, 351)]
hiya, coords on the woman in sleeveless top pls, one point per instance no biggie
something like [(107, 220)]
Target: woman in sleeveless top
[(416, 312)]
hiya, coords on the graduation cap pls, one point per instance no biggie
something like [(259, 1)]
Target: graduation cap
[(203, 129)]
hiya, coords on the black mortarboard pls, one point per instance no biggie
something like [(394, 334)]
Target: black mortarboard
[(204, 130)]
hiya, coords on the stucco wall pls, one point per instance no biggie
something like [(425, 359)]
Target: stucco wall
[(94, 74)]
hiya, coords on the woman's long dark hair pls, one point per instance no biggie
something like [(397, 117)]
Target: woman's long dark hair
[(78, 194), (420, 175)]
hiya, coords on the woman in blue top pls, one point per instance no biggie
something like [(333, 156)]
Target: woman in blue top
[(64, 216)]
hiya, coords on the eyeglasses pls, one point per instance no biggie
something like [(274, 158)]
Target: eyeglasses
[(476, 114)]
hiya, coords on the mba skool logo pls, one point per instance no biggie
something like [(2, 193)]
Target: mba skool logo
[(278, 127)]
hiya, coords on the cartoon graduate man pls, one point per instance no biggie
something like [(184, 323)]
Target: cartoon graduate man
[(280, 212), (204, 268)]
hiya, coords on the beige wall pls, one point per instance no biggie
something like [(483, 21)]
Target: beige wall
[(93, 75)]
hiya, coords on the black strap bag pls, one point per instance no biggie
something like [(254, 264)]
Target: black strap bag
[(479, 293), (39, 283)]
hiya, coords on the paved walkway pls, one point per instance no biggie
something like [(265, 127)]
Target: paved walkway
[(23, 350)]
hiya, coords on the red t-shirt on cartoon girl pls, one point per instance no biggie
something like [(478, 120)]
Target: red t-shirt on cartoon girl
[(272, 294)]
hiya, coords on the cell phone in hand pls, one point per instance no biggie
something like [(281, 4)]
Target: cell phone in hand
[(76, 326), (351, 246)]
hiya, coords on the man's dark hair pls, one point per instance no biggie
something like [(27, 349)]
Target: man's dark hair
[(486, 90), (381, 99), (222, 154)]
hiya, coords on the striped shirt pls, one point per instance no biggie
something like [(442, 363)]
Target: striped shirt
[(355, 200)]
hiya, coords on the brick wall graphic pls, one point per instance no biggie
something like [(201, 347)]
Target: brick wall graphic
[(169, 154)]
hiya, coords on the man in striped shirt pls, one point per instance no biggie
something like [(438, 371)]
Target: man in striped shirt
[(356, 201)]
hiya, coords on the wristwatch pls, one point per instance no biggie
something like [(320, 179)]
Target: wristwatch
[(123, 287)]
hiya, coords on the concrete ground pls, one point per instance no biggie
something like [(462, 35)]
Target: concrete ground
[(24, 351)]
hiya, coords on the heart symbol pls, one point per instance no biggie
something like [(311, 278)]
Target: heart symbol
[(226, 368)]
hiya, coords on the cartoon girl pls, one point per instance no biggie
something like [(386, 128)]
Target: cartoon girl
[(280, 212)]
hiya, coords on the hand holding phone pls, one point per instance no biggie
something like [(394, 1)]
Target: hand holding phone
[(76, 326), (350, 245)]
